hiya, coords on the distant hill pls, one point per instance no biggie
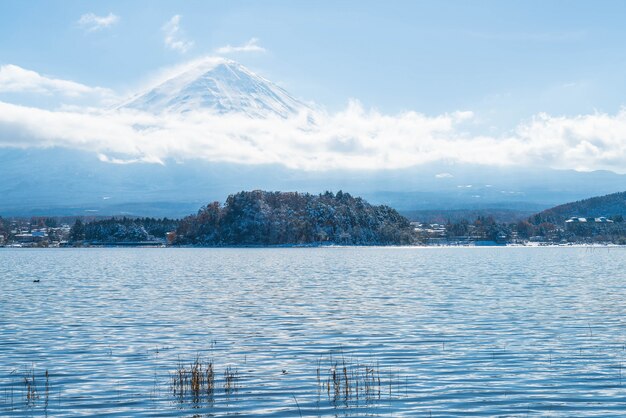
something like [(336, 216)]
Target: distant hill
[(278, 218), (610, 205)]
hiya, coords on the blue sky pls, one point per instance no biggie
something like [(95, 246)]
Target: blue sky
[(503, 60), (494, 82)]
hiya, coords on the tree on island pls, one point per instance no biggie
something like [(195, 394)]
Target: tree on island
[(77, 232), (277, 218)]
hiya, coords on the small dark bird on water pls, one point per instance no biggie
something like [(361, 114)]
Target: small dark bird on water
[(36, 281)]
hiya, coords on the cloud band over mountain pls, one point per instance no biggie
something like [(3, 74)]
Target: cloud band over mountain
[(354, 138)]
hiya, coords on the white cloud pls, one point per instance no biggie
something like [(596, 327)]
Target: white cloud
[(251, 46), (353, 138), (91, 22), (443, 176), (584, 142), (15, 79), (174, 38)]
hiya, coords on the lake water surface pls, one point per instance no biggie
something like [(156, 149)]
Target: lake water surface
[(421, 331)]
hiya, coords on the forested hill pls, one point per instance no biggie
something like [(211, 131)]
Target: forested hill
[(611, 205), (276, 218)]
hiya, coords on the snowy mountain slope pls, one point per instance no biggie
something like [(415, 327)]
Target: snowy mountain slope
[(220, 85)]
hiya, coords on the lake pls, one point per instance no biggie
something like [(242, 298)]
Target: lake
[(295, 332)]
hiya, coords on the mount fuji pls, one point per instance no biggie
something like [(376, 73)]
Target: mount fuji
[(218, 85)]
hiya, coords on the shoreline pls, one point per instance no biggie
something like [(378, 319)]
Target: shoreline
[(296, 246)]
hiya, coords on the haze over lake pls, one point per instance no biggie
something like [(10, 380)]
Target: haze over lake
[(450, 331)]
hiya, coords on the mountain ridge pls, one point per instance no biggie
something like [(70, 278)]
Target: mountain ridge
[(61, 181)]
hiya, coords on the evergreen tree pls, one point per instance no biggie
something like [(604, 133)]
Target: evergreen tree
[(77, 233)]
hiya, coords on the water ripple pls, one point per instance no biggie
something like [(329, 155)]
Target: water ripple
[(451, 331)]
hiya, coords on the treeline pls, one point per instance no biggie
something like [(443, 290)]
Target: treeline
[(261, 218), (276, 218), (535, 229), (4, 227), (122, 229), (483, 228)]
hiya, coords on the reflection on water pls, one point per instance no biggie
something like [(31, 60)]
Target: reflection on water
[(313, 332)]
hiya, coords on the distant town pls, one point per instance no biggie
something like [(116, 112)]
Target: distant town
[(484, 231), (260, 218)]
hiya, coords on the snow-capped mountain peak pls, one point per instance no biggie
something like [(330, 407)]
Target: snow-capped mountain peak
[(219, 85)]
